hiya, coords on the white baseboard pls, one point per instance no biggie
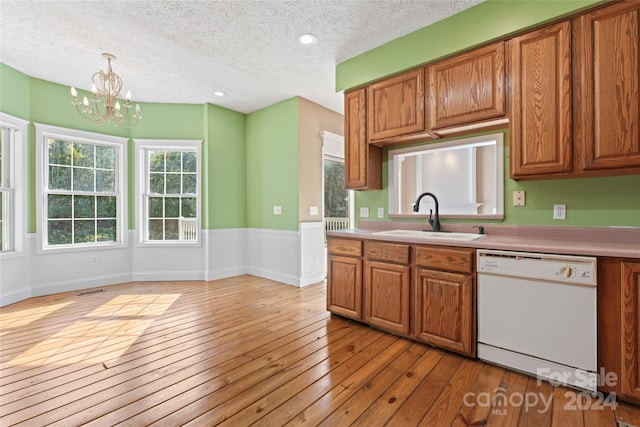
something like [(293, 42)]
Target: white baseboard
[(78, 284), (149, 276), (15, 296)]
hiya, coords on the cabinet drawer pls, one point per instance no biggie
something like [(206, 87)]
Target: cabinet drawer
[(349, 247), (445, 258), (390, 252)]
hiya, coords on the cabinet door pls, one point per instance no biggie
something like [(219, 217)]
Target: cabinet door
[(344, 286), (362, 162), (630, 375), (608, 121), (386, 296), (467, 88), (396, 106), (444, 310), (540, 114)]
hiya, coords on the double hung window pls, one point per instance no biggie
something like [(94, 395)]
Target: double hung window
[(82, 188), (169, 191)]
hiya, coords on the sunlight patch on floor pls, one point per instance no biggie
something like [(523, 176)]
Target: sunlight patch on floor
[(106, 334), (14, 319)]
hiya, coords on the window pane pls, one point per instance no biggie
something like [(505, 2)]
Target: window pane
[(189, 207), (106, 230), (189, 183), (171, 229), (83, 179), (84, 207), (83, 155), (173, 161), (106, 207), (84, 231), (189, 163), (155, 207), (173, 184), (59, 206), (59, 152), (59, 232), (155, 229), (156, 182), (105, 157), (59, 178), (105, 181), (156, 161), (172, 207)]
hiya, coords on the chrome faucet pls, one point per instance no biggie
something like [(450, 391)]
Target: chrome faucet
[(434, 222)]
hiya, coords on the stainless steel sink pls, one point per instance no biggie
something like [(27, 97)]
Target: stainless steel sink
[(431, 235)]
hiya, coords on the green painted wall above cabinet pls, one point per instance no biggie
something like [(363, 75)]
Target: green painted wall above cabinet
[(478, 25)]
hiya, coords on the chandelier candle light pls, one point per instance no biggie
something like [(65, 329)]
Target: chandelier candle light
[(106, 88)]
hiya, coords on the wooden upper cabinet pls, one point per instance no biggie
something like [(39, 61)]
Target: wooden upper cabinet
[(467, 88), (363, 163), (608, 111), (395, 106), (540, 113)]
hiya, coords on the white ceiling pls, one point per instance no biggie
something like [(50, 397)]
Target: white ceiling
[(183, 51)]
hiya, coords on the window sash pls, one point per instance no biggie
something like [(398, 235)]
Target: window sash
[(169, 192), (83, 180)]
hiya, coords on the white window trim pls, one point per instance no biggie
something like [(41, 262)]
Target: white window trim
[(18, 182), (142, 145), (46, 131)]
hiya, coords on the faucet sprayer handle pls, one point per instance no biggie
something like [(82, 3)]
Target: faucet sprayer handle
[(430, 213)]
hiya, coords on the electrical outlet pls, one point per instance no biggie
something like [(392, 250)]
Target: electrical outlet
[(518, 198), (94, 260), (364, 212), (559, 211), (277, 210), (380, 212)]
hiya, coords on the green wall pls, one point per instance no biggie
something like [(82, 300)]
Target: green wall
[(225, 183), (222, 131), (478, 25), (272, 166)]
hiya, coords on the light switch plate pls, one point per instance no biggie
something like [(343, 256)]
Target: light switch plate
[(313, 210), (518, 198), (277, 210), (364, 212)]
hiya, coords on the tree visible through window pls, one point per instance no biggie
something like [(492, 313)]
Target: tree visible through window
[(336, 197), (172, 194), (81, 199), (82, 180)]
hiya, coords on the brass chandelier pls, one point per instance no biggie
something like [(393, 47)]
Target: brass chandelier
[(107, 104)]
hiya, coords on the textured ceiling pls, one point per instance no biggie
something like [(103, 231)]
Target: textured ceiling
[(183, 51)]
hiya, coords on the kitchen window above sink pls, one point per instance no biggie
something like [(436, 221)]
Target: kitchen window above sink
[(467, 175)]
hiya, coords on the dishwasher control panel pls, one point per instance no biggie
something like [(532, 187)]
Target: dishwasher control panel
[(559, 268)]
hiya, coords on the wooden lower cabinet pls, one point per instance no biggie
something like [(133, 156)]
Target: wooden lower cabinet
[(444, 310), (419, 291), (630, 281), (618, 326), (387, 296), (344, 277)]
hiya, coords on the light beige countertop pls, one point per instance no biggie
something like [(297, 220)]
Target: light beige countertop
[(591, 241)]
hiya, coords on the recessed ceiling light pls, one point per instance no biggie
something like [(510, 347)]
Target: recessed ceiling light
[(307, 39), (219, 93)]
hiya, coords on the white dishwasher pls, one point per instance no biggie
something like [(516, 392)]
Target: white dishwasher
[(537, 314)]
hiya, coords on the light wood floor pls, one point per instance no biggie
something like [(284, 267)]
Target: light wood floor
[(244, 351)]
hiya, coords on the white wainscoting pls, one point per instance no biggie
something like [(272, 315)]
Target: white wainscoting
[(292, 257), (311, 253)]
